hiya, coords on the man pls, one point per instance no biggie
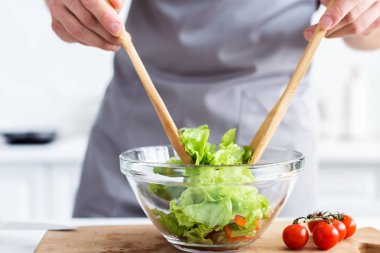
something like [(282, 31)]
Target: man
[(218, 62)]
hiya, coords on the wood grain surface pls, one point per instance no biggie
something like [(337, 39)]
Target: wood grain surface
[(146, 238)]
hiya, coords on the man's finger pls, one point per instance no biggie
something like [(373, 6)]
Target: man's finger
[(61, 32), (360, 25), (336, 13), (81, 33), (352, 16), (89, 21), (308, 32), (105, 14), (372, 28)]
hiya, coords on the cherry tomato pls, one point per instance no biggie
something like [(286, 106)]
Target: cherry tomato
[(325, 236), (312, 224), (341, 228), (295, 236), (350, 225)]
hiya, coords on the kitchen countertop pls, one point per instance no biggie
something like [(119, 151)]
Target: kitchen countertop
[(25, 241), (62, 151)]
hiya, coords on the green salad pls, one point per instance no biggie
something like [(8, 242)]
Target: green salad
[(219, 204)]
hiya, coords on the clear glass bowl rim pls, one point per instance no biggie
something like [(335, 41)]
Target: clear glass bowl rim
[(298, 158)]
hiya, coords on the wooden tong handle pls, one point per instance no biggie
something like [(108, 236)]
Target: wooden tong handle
[(159, 105), (267, 129)]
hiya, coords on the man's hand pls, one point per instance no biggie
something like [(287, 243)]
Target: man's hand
[(349, 18), (89, 22)]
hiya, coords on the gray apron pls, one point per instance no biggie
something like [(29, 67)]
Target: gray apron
[(218, 62)]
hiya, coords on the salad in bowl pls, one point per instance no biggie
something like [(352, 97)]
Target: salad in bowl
[(219, 203)]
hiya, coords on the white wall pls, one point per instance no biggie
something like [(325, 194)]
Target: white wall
[(332, 73), (43, 81)]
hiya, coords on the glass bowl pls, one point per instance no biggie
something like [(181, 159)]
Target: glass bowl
[(210, 208)]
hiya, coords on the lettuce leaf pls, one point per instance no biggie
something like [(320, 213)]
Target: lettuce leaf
[(170, 223), (201, 151), (228, 138), (205, 205), (213, 195), (247, 154), (232, 154), (195, 142), (167, 192), (198, 234), (242, 231)]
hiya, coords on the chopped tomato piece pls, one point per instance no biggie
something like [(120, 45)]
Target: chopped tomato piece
[(239, 238), (240, 220), (257, 224), (227, 230)]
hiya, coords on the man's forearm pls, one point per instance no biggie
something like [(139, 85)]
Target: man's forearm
[(365, 42)]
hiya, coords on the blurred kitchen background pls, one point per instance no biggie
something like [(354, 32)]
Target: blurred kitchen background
[(48, 85)]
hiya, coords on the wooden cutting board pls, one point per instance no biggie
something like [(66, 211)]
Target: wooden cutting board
[(146, 238)]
